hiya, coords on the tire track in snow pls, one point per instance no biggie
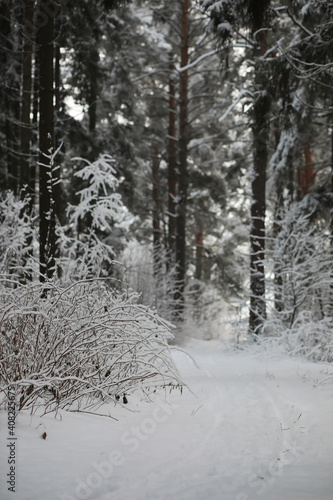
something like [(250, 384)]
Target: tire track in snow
[(234, 442), (280, 447)]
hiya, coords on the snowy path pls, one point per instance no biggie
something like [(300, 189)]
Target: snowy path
[(258, 427)]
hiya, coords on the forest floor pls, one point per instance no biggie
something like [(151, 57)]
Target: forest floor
[(254, 426)]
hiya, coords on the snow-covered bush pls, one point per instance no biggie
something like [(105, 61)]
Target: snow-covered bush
[(312, 339), (302, 285), (16, 234), (302, 257), (79, 347)]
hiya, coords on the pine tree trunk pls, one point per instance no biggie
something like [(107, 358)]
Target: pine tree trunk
[(26, 188), (260, 130), (5, 49), (172, 162), (332, 173), (330, 307), (93, 87), (57, 192), (199, 250), (156, 211), (306, 175), (10, 59), (26, 100), (35, 117), (57, 81), (183, 174), (278, 216), (47, 243)]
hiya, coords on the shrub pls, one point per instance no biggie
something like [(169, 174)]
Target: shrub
[(79, 347), (302, 285), (17, 235)]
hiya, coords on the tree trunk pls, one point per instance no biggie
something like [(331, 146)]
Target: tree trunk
[(93, 88), (156, 212), (332, 171), (57, 192), (26, 100), (172, 162), (330, 309), (5, 47), (35, 118), (10, 59), (260, 130), (183, 174), (47, 243), (306, 175), (278, 216), (57, 82), (199, 251)]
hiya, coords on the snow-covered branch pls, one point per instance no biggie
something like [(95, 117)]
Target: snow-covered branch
[(81, 346)]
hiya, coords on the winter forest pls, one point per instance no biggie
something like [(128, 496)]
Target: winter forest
[(166, 200)]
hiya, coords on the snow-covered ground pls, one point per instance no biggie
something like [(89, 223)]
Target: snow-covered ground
[(255, 426)]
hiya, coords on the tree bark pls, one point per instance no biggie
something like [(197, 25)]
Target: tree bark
[(260, 131), (156, 211), (278, 216), (35, 118), (10, 93), (199, 252), (172, 163), (306, 175), (183, 173), (93, 88), (57, 82), (47, 243), (4, 50), (25, 183), (332, 171)]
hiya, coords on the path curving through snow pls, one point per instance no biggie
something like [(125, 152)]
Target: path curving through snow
[(254, 427)]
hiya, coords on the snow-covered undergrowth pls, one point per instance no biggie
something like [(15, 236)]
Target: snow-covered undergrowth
[(307, 338), (300, 284), (17, 233), (79, 347)]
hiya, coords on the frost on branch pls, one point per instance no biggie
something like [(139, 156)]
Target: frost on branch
[(98, 199), (80, 347), (303, 283), (16, 234), (99, 208)]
